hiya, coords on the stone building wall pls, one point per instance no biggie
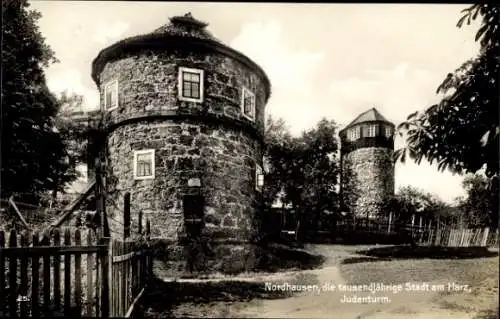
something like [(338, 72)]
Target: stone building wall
[(368, 180), (148, 86), (224, 159), (211, 140)]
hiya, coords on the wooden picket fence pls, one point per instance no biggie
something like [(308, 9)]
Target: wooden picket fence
[(65, 276), (458, 237), (130, 267)]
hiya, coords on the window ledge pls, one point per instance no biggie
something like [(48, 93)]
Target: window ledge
[(139, 178), (188, 99), (110, 109), (248, 117)]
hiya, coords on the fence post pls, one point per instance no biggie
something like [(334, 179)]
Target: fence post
[(496, 239), (105, 270), (140, 222), (485, 237), (12, 299), (126, 216), (35, 268), (2, 270), (412, 226), (430, 233), (99, 200), (67, 274), (150, 253), (390, 221), (23, 291)]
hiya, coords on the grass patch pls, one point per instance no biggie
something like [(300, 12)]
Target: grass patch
[(357, 260), (187, 299), (481, 275), (278, 258), (454, 306), (428, 252), (488, 314)]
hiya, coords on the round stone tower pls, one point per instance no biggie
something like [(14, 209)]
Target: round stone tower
[(367, 180), (184, 119)]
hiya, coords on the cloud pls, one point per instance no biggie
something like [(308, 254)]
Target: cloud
[(70, 80), (287, 68), (105, 33)]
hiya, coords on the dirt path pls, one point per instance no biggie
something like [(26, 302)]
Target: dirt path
[(328, 304), (246, 296)]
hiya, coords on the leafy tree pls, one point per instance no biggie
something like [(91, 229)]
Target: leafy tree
[(304, 168), (74, 134), (461, 132), (278, 141), (480, 206), (33, 153), (318, 163), (411, 201)]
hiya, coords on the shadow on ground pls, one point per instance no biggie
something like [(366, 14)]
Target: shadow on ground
[(174, 261), (164, 297), (278, 258), (416, 252), (176, 292)]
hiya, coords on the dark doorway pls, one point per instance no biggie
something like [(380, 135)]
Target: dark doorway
[(193, 214)]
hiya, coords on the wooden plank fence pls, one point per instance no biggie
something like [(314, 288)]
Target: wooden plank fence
[(69, 274), (424, 234), (129, 271), (457, 237)]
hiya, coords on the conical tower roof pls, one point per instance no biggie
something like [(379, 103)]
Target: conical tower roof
[(182, 32), (372, 115), (186, 26)]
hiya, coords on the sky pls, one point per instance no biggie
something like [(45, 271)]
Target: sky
[(323, 60)]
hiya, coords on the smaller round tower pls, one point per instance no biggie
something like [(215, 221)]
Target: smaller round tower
[(367, 180)]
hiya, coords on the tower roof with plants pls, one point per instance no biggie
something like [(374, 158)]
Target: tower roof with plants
[(180, 33)]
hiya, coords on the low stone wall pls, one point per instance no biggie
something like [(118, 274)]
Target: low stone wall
[(207, 259), (189, 259)]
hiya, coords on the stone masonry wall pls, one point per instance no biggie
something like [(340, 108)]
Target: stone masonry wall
[(368, 180), (223, 156), (148, 86)]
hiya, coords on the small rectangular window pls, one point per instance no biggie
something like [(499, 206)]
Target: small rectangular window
[(354, 133), (111, 95), (388, 131), (144, 164), (190, 84), (259, 178), (371, 130), (248, 104)]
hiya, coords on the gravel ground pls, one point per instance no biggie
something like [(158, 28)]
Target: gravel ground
[(481, 275), (249, 299)]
